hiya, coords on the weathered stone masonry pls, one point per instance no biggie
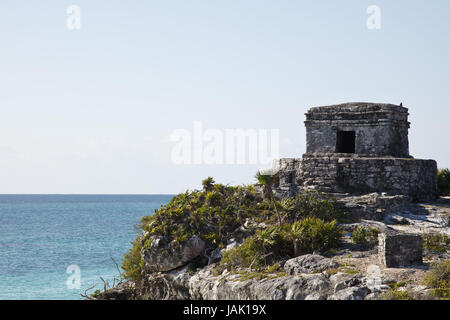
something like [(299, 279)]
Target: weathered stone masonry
[(359, 148), (378, 129)]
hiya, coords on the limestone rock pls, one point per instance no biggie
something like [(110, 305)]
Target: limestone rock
[(203, 285), (352, 293), (342, 281), (308, 263), (163, 255), (123, 291)]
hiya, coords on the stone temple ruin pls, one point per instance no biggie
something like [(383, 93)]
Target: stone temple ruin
[(358, 148), (359, 152)]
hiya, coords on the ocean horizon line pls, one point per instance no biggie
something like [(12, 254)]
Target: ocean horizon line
[(87, 194)]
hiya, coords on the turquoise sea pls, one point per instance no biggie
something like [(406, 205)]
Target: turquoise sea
[(42, 235)]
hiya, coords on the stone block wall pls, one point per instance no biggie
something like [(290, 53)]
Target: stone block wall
[(288, 168), (380, 129), (331, 173), (413, 177), (358, 148), (399, 249)]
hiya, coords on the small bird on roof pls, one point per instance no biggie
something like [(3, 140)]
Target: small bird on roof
[(401, 104)]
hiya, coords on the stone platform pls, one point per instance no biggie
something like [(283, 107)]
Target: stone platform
[(337, 173)]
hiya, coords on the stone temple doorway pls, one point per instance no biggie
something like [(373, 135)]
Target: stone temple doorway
[(345, 141)]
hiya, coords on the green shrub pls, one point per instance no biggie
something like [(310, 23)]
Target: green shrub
[(313, 234), (96, 293), (273, 268), (366, 238), (259, 250), (132, 262), (217, 212), (212, 215), (437, 242), (438, 279), (397, 285), (249, 253), (443, 182), (312, 204), (275, 243)]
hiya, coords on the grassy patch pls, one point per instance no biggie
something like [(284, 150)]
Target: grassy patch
[(350, 271), (436, 242), (332, 271), (346, 264), (271, 272), (396, 295), (438, 279), (397, 285)]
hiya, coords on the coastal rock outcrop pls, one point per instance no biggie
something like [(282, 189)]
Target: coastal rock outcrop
[(356, 185), (165, 255)]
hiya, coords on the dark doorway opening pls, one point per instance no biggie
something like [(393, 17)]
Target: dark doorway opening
[(345, 142)]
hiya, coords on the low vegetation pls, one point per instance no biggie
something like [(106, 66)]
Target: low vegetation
[(274, 229), (312, 204), (277, 243), (397, 285), (133, 262), (436, 242), (395, 294), (268, 179), (366, 238), (438, 279), (443, 182)]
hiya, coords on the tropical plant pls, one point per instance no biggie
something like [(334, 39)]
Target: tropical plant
[(296, 235), (133, 262), (443, 182), (313, 234), (208, 184), (312, 204), (268, 178), (366, 238), (437, 242), (438, 279)]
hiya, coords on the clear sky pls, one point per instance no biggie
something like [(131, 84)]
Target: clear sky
[(91, 110)]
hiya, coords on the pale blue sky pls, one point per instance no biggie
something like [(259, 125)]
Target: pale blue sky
[(89, 111)]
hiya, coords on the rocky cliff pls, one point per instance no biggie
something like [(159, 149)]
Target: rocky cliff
[(224, 243)]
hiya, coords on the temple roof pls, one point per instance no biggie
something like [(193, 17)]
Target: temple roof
[(359, 107)]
